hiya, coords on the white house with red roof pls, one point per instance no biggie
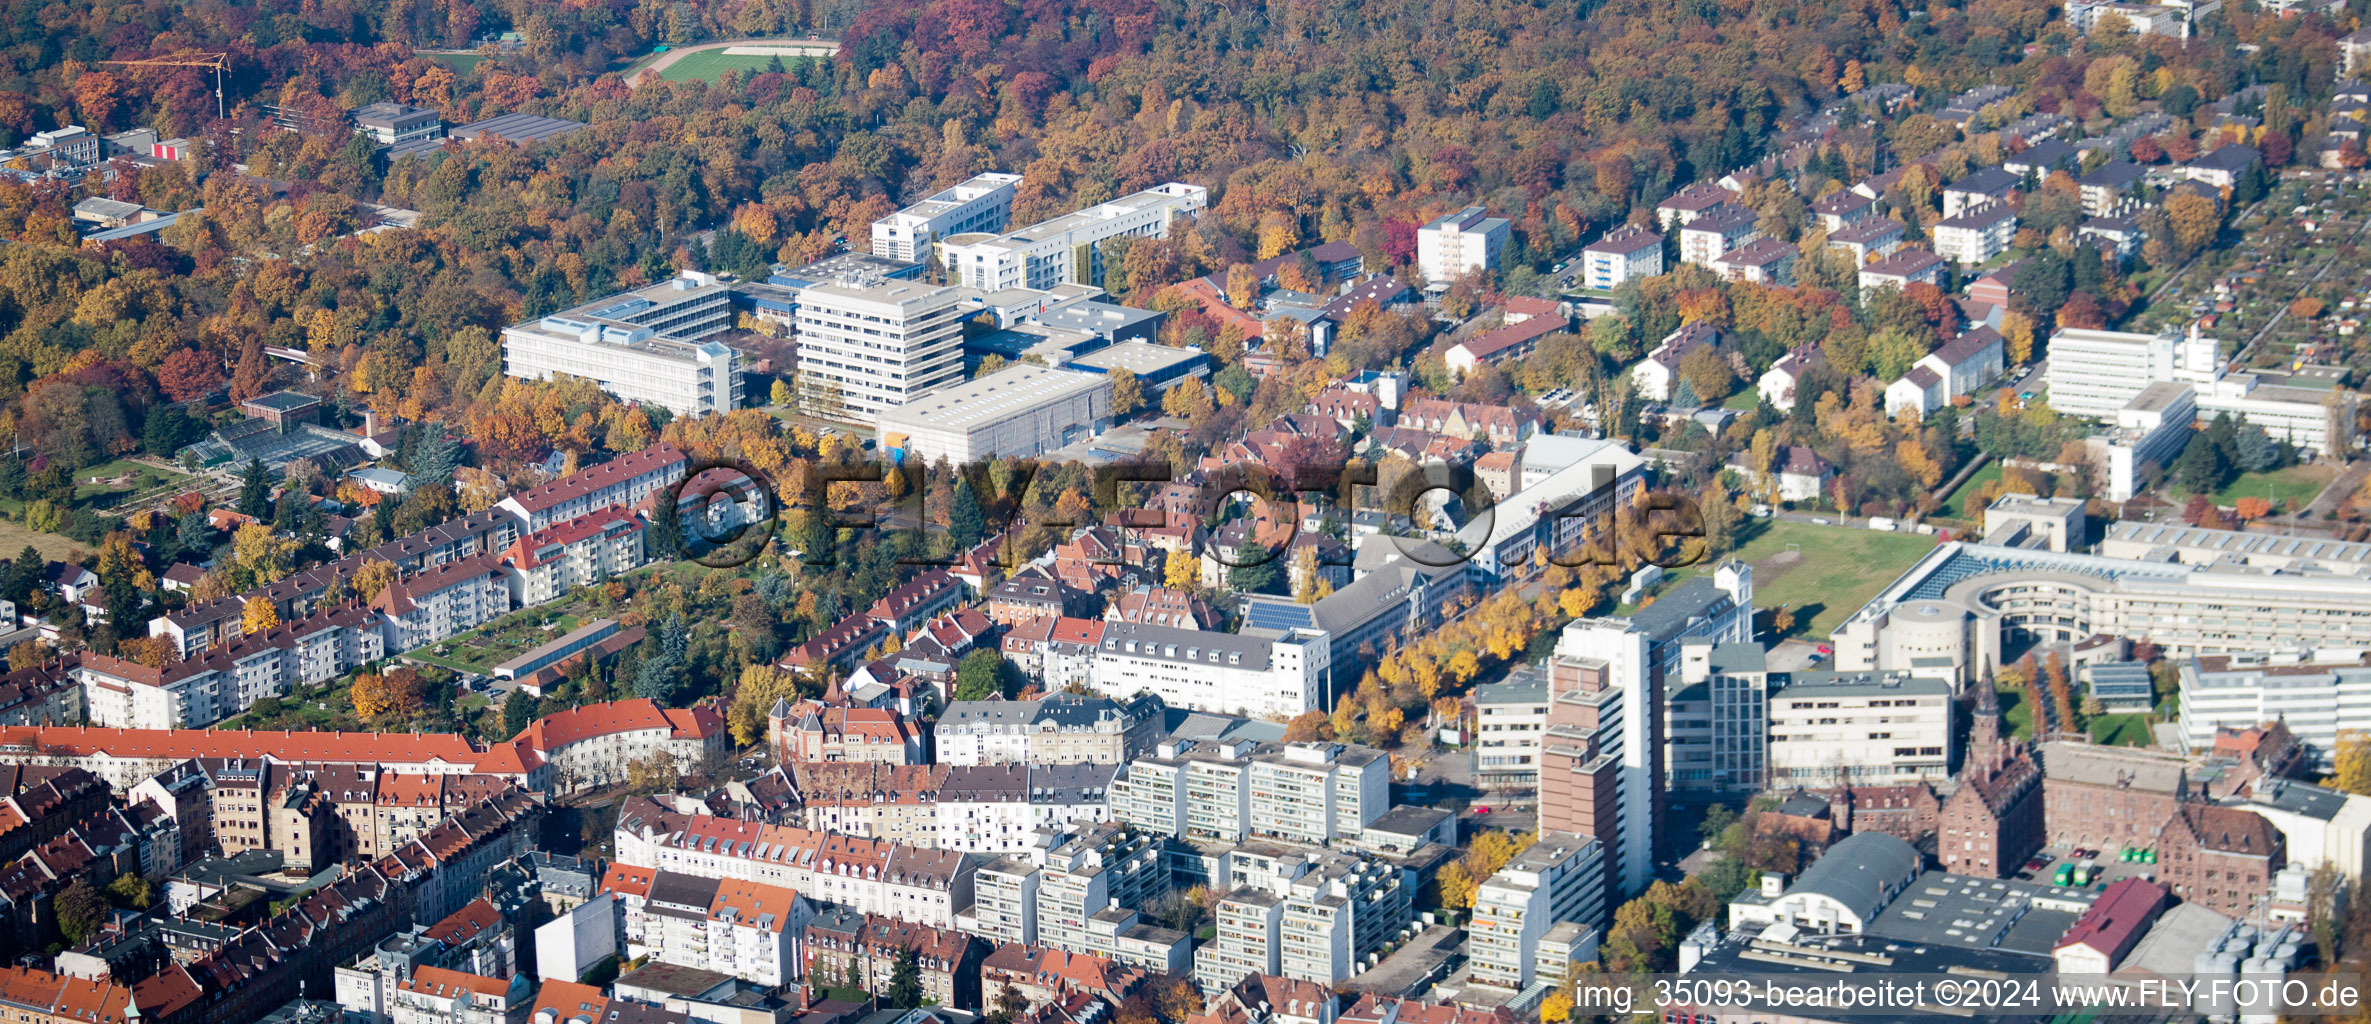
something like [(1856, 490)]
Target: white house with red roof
[(589, 549), (126, 757), (591, 746), (621, 482)]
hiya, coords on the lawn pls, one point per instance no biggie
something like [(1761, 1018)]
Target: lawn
[(1958, 502), (461, 63), (2014, 712), (1743, 401), (2127, 730), (480, 649), (1824, 573), (2296, 483), (15, 535), (123, 476), (707, 65)]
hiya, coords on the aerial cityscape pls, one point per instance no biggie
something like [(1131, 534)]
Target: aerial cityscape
[(1168, 512)]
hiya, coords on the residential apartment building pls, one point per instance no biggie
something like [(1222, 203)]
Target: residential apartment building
[(1046, 254), (1762, 261), (1860, 728), (1061, 728), (222, 682), (1623, 254), (644, 346), (621, 482), (1867, 239), (443, 602), (548, 564), (1510, 725), (1902, 268), (810, 731), (866, 345), (1082, 892), (437, 995), (1714, 232), (1977, 234), (1257, 672), (591, 746), (126, 757), (1981, 187), (1656, 377), (2109, 189), (905, 883), (839, 939), (1453, 245), (747, 930), (983, 203), (1318, 920), (1234, 791), (1560, 878)]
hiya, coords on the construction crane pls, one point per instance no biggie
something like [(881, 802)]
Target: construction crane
[(218, 61)]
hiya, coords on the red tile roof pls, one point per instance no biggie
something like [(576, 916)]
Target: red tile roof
[(586, 481), (179, 744), (554, 731)]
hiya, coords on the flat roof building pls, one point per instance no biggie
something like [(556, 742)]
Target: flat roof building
[(985, 203), (1020, 411), (643, 346), (869, 344), (1044, 254)]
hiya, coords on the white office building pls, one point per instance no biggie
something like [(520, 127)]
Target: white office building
[(1046, 254), (643, 346), (985, 203), (1457, 244), (2320, 695), (1860, 728), (1559, 878), (2097, 374), (1260, 673), (2151, 430), (867, 344), (1021, 411), (1966, 602)]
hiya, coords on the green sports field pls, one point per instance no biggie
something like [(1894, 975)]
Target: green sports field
[(708, 65)]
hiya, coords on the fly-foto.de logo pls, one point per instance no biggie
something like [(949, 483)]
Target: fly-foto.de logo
[(1433, 513)]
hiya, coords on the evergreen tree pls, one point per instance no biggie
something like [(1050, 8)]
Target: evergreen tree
[(966, 523), (434, 456), (660, 679), (23, 575), (664, 539), (255, 495), (2253, 449), (1254, 572), (517, 710), (905, 981)]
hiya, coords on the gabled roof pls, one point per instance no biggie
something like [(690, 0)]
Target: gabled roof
[(1990, 181), (586, 481), (1903, 263)]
